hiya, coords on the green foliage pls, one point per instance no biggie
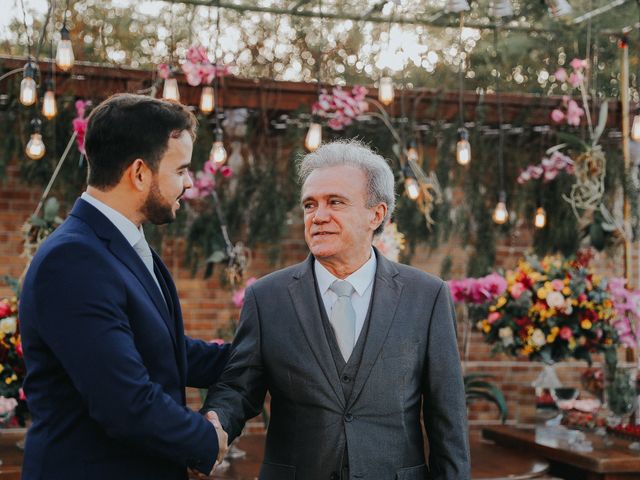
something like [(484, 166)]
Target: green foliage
[(477, 387)]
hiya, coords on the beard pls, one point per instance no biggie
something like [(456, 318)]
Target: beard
[(156, 209)]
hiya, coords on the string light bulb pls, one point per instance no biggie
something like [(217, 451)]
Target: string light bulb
[(501, 214), (540, 219), (28, 89), (49, 107), (635, 127), (463, 147), (385, 91), (207, 100), (314, 136), (411, 186), (170, 90), (218, 152), (64, 54), (35, 149)]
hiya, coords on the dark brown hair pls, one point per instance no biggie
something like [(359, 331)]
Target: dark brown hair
[(126, 127)]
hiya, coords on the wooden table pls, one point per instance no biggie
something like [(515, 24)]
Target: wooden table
[(615, 462)]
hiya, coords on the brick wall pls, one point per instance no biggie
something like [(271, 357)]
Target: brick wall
[(208, 307)]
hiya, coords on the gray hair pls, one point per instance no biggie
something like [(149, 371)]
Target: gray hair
[(352, 153)]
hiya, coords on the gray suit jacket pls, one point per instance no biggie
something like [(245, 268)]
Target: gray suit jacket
[(410, 360)]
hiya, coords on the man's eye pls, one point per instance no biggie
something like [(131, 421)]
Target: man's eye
[(307, 206), (336, 202)]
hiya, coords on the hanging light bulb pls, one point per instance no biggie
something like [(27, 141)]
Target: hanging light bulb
[(28, 85), (635, 128), (501, 214), (463, 147), (411, 186), (501, 8), (385, 90), (412, 151), (457, 6), (540, 219), (559, 8), (207, 100), (49, 107), (218, 152), (170, 90), (35, 148), (64, 54), (314, 136)]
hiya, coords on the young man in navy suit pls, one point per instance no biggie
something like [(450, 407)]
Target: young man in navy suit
[(104, 344)]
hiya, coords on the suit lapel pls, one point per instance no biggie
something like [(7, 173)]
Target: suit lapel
[(305, 301), (386, 295), (121, 249)]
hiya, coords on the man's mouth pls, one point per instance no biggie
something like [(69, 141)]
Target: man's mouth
[(322, 234)]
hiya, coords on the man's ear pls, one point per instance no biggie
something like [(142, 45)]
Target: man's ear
[(378, 214), (139, 175)]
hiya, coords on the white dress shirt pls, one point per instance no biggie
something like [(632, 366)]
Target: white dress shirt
[(362, 281), (126, 227)]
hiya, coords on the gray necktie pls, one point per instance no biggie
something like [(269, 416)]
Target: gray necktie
[(343, 317), (142, 248)]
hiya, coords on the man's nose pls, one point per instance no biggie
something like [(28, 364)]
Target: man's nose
[(321, 215), (188, 181)]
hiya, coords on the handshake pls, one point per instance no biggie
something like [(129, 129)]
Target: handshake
[(222, 442)]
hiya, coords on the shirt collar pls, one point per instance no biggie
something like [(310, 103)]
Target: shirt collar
[(128, 229), (360, 279)]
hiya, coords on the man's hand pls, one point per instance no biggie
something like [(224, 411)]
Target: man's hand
[(222, 438)]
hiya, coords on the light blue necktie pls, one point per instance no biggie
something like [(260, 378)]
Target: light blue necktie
[(343, 317)]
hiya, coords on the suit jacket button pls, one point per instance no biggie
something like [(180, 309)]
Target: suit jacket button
[(346, 378), (333, 476), (348, 417)]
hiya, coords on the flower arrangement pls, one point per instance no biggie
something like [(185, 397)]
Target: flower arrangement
[(80, 123), (343, 105), (548, 169), (12, 369), (197, 68), (390, 242), (552, 309), (477, 291), (627, 306), (570, 111), (204, 181)]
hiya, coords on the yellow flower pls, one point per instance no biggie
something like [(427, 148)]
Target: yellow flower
[(566, 291), (1, 368), (551, 338), (8, 380), (527, 349), (492, 308), (586, 324), (572, 344), (501, 302), (555, 330), (607, 303), (542, 293), (596, 280), (486, 328)]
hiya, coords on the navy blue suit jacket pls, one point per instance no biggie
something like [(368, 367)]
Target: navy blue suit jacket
[(107, 362)]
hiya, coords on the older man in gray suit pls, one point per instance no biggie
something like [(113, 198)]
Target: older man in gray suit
[(351, 346)]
